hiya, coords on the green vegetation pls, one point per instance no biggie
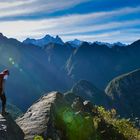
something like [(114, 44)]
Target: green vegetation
[(122, 128), (38, 138), (99, 125)]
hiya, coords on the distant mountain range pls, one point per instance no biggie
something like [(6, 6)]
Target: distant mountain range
[(57, 40), (119, 44), (58, 66), (44, 41)]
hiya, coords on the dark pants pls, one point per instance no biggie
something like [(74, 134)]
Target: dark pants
[(3, 99)]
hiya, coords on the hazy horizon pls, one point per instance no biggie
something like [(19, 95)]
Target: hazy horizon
[(21, 40)]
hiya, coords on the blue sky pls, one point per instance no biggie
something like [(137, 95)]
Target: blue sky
[(90, 20)]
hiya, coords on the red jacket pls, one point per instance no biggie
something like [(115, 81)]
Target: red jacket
[(1, 80)]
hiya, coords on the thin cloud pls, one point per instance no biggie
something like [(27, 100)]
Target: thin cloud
[(73, 26), (24, 7), (111, 37), (5, 5)]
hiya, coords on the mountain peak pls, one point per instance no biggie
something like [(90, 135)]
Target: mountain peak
[(59, 40), (57, 36), (47, 39), (75, 43), (1, 34), (136, 43), (47, 35), (119, 44), (88, 91)]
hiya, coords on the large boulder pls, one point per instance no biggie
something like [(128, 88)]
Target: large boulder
[(9, 130), (52, 117), (40, 117)]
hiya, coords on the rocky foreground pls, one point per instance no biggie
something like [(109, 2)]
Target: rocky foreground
[(67, 116), (40, 117), (59, 116)]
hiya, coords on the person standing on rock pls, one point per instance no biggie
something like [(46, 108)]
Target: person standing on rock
[(3, 77)]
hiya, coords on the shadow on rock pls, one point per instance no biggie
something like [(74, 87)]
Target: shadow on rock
[(9, 130)]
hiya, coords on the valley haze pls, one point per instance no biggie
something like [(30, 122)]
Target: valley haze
[(57, 65)]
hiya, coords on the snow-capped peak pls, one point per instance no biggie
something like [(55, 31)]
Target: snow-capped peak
[(75, 43), (119, 44), (44, 41), (110, 45)]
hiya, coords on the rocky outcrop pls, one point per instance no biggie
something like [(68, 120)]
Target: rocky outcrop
[(9, 130), (88, 106), (78, 105), (55, 117), (40, 117), (50, 117)]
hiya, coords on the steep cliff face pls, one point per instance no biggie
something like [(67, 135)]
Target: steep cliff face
[(9, 130), (124, 92)]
